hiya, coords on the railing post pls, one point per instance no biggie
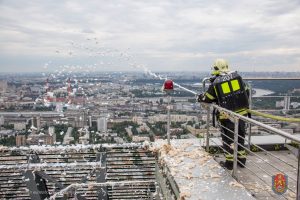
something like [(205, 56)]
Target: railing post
[(298, 176), (169, 120), (250, 107), (207, 128), (207, 116), (235, 147)]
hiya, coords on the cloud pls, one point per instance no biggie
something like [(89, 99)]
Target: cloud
[(168, 35)]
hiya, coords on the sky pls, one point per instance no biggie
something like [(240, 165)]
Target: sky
[(170, 35)]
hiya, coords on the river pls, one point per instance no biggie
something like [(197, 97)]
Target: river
[(262, 92)]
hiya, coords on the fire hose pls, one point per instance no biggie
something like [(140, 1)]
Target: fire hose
[(254, 112), (275, 117)]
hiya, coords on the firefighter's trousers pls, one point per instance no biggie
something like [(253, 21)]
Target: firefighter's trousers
[(228, 135)]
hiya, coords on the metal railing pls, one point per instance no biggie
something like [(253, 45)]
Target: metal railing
[(265, 164)]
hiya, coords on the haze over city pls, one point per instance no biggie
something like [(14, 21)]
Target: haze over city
[(42, 36)]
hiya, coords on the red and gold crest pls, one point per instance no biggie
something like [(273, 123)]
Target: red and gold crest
[(279, 183)]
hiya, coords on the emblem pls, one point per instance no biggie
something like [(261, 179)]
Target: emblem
[(279, 183)]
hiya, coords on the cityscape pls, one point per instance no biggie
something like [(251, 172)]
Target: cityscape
[(153, 100), (113, 108), (58, 113)]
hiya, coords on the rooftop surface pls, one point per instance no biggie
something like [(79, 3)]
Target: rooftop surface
[(189, 170), (260, 183), (196, 173)]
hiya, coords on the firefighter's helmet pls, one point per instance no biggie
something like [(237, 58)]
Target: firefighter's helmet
[(220, 66)]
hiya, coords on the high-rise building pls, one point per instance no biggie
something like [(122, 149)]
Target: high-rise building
[(68, 136), (20, 140), (51, 132), (36, 122), (287, 102), (90, 121), (102, 124), (84, 139), (1, 120)]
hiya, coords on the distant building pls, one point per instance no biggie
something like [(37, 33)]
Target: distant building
[(1, 120), (51, 132), (143, 127), (27, 99), (3, 86), (102, 124), (174, 118), (20, 126), (35, 89), (39, 140), (129, 131), (119, 140), (279, 104), (48, 140), (287, 102), (20, 140), (84, 139), (36, 122), (295, 104), (174, 131), (138, 120), (79, 121), (90, 121), (68, 136), (296, 90), (140, 138)]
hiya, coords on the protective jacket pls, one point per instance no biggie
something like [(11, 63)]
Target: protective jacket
[(229, 91)]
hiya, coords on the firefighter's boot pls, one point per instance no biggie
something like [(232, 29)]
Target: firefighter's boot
[(242, 158), (228, 164)]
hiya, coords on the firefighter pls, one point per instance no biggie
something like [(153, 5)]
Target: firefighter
[(228, 90)]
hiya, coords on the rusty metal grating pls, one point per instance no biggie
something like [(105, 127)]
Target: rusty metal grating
[(57, 170)]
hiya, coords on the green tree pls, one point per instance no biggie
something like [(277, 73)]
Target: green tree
[(60, 131), (8, 141)]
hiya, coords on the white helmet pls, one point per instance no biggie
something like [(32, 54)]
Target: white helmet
[(219, 66)]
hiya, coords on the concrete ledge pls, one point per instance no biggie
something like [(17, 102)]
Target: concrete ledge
[(196, 173)]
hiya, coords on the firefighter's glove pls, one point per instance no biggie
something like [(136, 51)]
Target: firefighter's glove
[(212, 79), (200, 98), (249, 115)]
